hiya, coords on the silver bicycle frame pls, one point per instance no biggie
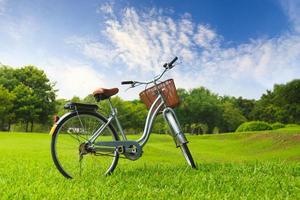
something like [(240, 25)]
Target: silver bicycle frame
[(158, 104)]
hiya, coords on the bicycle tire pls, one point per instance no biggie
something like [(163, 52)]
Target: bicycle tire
[(187, 155), (57, 157)]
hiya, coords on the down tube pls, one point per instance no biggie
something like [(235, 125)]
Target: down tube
[(150, 118)]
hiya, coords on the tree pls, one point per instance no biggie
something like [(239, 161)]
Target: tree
[(232, 117), (202, 128), (200, 106), (8, 77), (282, 104), (59, 107), (182, 110), (139, 114), (160, 126), (25, 105), (193, 128), (245, 106), (288, 97), (34, 94), (75, 99), (131, 114), (6, 108), (43, 93), (198, 128)]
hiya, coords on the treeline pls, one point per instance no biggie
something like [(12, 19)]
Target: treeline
[(27, 100), (201, 108), (202, 111)]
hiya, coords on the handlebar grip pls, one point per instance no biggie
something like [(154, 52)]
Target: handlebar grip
[(173, 61), (126, 82)]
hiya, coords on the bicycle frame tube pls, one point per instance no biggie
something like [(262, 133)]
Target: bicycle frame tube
[(98, 132), (154, 109), (170, 118), (113, 116)]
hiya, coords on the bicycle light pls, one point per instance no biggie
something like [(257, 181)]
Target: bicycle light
[(55, 118)]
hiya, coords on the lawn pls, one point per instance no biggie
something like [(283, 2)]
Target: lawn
[(257, 165)]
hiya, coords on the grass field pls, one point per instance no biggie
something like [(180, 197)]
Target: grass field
[(261, 165)]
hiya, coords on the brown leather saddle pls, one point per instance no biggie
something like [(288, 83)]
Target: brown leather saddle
[(104, 93)]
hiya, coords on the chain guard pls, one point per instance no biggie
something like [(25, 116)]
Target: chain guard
[(132, 150)]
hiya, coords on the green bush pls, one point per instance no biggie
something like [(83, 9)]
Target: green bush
[(254, 126), (277, 125), (292, 125)]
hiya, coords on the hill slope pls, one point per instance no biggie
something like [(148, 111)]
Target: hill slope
[(261, 165)]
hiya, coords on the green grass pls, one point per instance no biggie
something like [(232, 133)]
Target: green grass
[(253, 165)]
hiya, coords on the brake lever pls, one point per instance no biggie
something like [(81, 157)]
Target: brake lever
[(170, 67), (128, 88), (131, 86)]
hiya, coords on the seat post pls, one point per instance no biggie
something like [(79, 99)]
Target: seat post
[(113, 110), (114, 114)]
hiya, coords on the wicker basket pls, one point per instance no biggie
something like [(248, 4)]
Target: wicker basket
[(167, 89)]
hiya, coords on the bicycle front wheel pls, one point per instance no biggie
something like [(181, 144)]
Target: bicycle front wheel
[(69, 138), (187, 155)]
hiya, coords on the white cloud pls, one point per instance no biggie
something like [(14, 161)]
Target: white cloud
[(148, 40), (106, 8), (94, 50), (292, 8), (205, 37), (72, 78)]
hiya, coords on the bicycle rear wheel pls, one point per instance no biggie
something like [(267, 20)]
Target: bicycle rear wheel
[(187, 155), (69, 138)]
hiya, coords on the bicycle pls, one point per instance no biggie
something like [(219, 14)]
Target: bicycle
[(96, 139)]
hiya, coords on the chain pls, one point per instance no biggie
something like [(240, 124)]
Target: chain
[(107, 154)]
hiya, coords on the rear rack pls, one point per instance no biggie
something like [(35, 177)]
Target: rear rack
[(80, 106)]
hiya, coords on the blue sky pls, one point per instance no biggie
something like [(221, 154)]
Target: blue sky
[(232, 47)]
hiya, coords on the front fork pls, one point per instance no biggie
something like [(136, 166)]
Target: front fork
[(171, 119)]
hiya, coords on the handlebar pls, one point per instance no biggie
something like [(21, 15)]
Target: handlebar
[(127, 82), (170, 64), (167, 66)]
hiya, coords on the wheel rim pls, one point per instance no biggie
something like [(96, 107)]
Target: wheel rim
[(70, 137)]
